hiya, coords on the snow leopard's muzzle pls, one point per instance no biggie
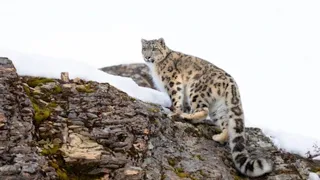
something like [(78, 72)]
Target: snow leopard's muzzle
[(149, 59)]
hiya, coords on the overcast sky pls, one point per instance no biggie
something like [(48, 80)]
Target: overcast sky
[(271, 47)]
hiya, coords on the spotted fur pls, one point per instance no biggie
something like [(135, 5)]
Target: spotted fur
[(209, 92)]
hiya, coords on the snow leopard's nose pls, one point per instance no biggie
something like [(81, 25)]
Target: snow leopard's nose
[(148, 57)]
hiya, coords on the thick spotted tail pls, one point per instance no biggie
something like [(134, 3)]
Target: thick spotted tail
[(247, 165), (252, 167)]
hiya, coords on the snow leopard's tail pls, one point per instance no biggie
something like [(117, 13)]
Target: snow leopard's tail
[(246, 164)]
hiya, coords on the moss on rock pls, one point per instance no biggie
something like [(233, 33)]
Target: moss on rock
[(198, 156), (62, 175), (236, 177), (52, 105), (57, 89), (27, 89), (180, 172), (315, 169), (50, 149), (33, 82), (85, 89), (171, 162), (154, 110), (41, 114)]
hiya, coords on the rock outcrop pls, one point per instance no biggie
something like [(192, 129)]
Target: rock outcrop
[(75, 129), (138, 72), (287, 166), (19, 156)]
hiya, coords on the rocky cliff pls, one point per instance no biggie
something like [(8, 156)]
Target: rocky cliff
[(75, 129)]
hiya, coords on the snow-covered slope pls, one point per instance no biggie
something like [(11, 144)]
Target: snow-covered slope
[(38, 65)]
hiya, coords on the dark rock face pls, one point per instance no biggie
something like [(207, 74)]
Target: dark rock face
[(50, 129), (19, 159)]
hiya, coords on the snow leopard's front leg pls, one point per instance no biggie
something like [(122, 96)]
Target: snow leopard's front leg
[(175, 90)]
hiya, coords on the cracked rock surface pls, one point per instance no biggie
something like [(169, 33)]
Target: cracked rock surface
[(19, 158), (75, 129)]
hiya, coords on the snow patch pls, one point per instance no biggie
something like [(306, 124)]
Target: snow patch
[(293, 143), (313, 176), (38, 65)]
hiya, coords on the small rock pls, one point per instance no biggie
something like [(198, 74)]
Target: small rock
[(105, 177), (49, 86), (8, 108), (5, 61), (98, 171), (58, 109), (74, 127), (77, 80), (37, 90), (54, 131), (132, 171), (63, 114), (56, 141), (10, 170), (91, 115), (67, 86), (42, 129), (3, 118), (30, 168), (302, 168), (57, 124), (106, 114), (85, 133), (146, 131), (24, 110), (74, 90), (44, 103), (81, 147), (83, 116), (150, 146), (72, 115), (112, 166), (20, 150), (65, 77), (81, 86), (130, 113), (2, 125), (77, 122), (140, 146)]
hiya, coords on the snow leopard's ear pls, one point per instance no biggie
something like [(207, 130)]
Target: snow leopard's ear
[(143, 41), (162, 43)]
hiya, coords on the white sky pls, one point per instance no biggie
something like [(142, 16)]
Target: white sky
[(272, 48)]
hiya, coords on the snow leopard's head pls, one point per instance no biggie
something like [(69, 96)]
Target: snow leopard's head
[(154, 50)]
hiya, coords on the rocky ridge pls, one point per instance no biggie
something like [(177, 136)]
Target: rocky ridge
[(76, 129)]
